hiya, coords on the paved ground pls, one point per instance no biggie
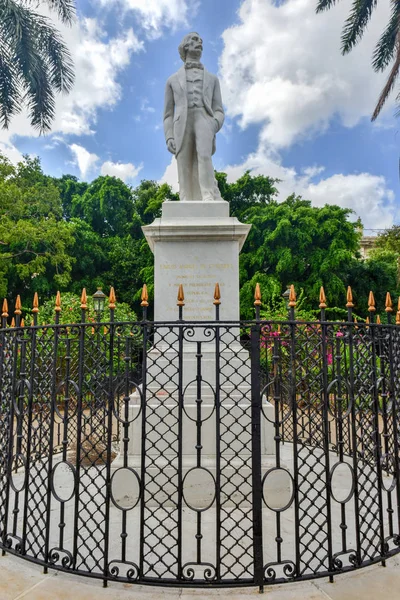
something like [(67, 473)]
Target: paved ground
[(22, 580)]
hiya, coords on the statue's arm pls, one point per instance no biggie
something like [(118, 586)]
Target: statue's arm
[(169, 107), (217, 107)]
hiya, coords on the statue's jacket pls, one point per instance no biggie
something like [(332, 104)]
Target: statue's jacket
[(176, 105)]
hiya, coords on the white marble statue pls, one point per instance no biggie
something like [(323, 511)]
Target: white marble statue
[(193, 114)]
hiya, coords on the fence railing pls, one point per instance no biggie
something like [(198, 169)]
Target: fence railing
[(200, 453)]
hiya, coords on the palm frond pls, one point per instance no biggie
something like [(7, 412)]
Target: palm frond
[(58, 57), (394, 73), (10, 93), (65, 9), (325, 5), (42, 62), (356, 23), (386, 47), (40, 99)]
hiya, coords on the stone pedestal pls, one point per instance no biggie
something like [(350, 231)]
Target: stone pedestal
[(197, 244)]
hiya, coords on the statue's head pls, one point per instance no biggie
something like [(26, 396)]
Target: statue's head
[(192, 46)]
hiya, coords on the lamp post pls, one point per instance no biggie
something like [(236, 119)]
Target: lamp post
[(286, 295), (99, 300)]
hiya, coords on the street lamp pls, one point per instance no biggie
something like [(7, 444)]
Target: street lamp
[(286, 295), (99, 300)]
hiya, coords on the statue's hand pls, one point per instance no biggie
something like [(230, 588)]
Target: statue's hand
[(171, 146)]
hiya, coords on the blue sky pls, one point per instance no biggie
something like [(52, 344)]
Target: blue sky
[(296, 109)]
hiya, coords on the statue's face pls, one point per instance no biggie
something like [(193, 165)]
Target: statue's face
[(194, 45)]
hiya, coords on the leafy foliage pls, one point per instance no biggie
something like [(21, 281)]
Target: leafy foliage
[(34, 61), (60, 233)]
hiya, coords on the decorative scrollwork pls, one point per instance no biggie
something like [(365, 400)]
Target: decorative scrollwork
[(60, 557), (287, 567), (118, 569), (338, 559), (207, 571), (13, 542)]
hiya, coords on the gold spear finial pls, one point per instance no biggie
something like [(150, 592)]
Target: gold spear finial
[(181, 296), (84, 300), (18, 305), (58, 302), (113, 299), (292, 297), (217, 295), (145, 296), (5, 309), (388, 303), (322, 299), (378, 320), (367, 320), (35, 308), (22, 323), (349, 298), (257, 295), (371, 302), (398, 317), (13, 322)]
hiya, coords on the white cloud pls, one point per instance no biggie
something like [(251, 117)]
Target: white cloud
[(281, 68), (368, 195), (125, 171), (84, 159), (155, 15)]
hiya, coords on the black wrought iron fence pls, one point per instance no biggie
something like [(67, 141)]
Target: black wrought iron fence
[(201, 454)]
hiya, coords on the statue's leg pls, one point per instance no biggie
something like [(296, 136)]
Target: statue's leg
[(195, 178), (185, 161), (204, 127)]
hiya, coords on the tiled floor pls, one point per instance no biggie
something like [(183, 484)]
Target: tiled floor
[(20, 580)]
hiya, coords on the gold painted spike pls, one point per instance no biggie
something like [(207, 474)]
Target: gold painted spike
[(371, 302), (18, 305), (257, 295), (378, 320), (349, 298), (367, 320), (35, 308), (113, 299), (217, 295), (279, 329), (181, 296), (22, 323), (322, 299), (398, 318), (292, 297), (58, 302), (13, 322), (388, 303), (145, 296), (84, 299), (5, 309)]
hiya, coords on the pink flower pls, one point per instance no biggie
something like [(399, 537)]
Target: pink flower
[(330, 359), (340, 334)]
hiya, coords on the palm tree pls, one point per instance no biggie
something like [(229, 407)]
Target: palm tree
[(34, 61), (388, 47)]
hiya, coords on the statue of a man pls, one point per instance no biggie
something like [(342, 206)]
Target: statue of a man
[(193, 114)]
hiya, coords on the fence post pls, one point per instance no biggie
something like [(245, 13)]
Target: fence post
[(256, 445)]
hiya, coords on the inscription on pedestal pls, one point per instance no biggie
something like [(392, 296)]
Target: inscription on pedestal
[(198, 282)]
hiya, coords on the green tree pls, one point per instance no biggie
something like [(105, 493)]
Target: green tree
[(106, 205), (35, 242), (292, 242), (387, 50), (34, 61)]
